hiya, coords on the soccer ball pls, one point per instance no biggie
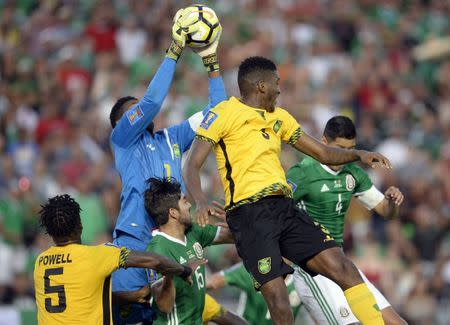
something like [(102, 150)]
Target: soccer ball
[(208, 27)]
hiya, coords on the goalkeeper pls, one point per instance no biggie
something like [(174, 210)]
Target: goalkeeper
[(140, 154)]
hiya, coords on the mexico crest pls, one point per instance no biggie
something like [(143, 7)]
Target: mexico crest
[(350, 182), (198, 249)]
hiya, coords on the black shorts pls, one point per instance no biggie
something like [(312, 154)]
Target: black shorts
[(273, 227)]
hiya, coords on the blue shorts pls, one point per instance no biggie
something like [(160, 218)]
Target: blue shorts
[(131, 279)]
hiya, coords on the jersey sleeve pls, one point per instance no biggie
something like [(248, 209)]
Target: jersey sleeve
[(296, 178), (291, 130), (214, 125), (237, 276), (136, 119), (205, 236), (108, 258), (185, 131), (365, 191)]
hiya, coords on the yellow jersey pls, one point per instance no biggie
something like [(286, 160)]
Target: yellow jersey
[(247, 146), (73, 284), (211, 310)]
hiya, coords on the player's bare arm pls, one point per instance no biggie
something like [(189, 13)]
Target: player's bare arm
[(224, 236), (389, 207), (191, 175), (164, 293), (215, 281), (162, 264), (126, 297), (337, 156)]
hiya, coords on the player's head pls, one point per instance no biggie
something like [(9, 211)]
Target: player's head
[(60, 217), (122, 105), (340, 132), (258, 77), (166, 204)]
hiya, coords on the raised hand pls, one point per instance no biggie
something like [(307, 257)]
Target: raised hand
[(194, 264), (394, 195), (374, 159)]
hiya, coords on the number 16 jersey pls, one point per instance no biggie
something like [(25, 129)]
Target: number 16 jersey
[(73, 286)]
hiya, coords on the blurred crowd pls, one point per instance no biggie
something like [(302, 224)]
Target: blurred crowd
[(63, 63)]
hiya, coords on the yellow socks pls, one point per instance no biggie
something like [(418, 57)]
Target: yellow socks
[(363, 305)]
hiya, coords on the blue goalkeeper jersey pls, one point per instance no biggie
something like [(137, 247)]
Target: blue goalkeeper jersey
[(140, 156)]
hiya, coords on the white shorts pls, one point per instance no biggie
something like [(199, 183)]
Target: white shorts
[(326, 301)]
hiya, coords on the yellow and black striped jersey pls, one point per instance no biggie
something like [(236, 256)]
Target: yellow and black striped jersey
[(73, 284), (247, 145)]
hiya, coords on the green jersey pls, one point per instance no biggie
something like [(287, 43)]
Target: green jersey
[(252, 305), (325, 194), (190, 299)]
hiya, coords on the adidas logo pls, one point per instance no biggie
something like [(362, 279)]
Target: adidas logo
[(182, 260), (324, 188)]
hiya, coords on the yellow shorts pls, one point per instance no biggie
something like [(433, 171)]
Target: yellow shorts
[(211, 310)]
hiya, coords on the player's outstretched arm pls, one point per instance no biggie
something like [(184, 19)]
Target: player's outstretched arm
[(164, 293), (389, 207), (337, 156), (136, 120), (161, 264), (191, 175)]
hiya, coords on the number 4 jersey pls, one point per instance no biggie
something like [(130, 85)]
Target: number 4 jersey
[(190, 299), (325, 194), (72, 284)]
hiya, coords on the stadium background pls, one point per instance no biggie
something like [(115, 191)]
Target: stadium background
[(63, 64)]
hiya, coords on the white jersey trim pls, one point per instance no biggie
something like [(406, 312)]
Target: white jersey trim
[(329, 170), (370, 198), (166, 133), (195, 120), (217, 233), (175, 240)]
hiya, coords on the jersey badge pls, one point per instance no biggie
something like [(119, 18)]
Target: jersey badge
[(292, 185), (198, 249), (176, 150), (324, 188), (277, 126), (344, 312), (350, 182), (135, 115), (208, 120), (337, 183), (265, 265), (152, 276)]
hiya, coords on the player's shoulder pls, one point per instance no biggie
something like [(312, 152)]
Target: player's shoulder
[(281, 113), (355, 170)]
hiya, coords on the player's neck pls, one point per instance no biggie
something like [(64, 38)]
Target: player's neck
[(175, 230), (254, 101), (66, 241)]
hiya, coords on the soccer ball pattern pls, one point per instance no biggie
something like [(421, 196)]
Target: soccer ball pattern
[(208, 27)]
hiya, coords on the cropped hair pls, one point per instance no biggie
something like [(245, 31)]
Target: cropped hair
[(117, 109), (252, 70), (339, 127), (161, 195)]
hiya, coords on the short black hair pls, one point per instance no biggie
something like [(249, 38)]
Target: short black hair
[(162, 195), (339, 127), (116, 110), (251, 70), (60, 216)]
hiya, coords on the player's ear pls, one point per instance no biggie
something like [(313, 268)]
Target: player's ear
[(261, 86), (173, 213), (324, 139)]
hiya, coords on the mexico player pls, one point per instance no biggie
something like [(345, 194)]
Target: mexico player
[(324, 192), (251, 303), (73, 281), (180, 240)]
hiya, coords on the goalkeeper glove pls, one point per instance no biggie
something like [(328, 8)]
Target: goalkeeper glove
[(184, 24), (209, 53)]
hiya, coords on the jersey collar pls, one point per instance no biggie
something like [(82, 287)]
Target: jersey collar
[(329, 170), (175, 240)]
